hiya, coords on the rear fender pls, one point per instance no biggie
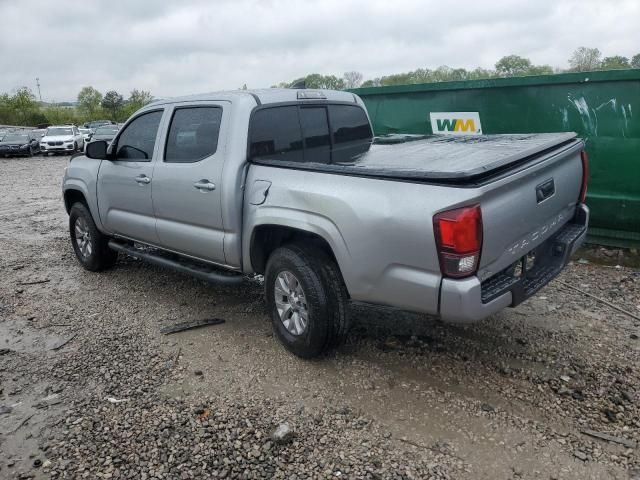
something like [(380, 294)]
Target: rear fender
[(298, 220)]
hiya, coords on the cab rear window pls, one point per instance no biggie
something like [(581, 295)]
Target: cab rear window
[(276, 134), (309, 133)]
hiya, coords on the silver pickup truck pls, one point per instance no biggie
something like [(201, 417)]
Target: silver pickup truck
[(291, 184)]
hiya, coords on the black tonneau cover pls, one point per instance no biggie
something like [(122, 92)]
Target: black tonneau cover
[(440, 158)]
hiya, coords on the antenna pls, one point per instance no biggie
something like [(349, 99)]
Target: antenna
[(38, 84)]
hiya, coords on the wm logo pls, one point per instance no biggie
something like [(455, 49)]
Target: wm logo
[(456, 123)]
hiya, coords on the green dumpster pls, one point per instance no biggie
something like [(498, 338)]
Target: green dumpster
[(602, 107)]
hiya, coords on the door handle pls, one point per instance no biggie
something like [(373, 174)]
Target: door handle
[(204, 185), (143, 179)]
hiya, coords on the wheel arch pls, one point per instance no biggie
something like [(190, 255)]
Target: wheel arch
[(74, 195), (266, 238)]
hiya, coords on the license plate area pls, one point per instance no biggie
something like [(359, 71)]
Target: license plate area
[(535, 269)]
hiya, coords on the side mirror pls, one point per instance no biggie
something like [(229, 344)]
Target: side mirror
[(97, 150)]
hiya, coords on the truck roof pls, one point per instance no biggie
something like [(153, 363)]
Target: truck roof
[(265, 95)]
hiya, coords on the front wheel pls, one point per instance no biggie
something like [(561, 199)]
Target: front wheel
[(89, 244), (307, 300)]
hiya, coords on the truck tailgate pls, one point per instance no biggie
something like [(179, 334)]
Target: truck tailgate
[(521, 210)]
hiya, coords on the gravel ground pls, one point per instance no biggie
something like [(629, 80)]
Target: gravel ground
[(90, 388)]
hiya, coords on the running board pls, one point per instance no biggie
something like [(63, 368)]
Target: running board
[(194, 270)]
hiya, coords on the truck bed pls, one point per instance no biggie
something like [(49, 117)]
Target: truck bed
[(441, 159)]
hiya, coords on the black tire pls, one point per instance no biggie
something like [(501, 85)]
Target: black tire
[(75, 148), (100, 256), (325, 299)]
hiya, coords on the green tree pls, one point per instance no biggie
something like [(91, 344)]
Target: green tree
[(513, 66), (23, 103), (481, 73), (112, 102), (635, 61), (57, 114), (137, 99), (541, 70), (6, 109), (89, 100), (316, 80), (614, 63), (585, 59), (374, 82)]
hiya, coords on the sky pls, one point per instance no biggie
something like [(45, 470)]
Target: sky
[(182, 47)]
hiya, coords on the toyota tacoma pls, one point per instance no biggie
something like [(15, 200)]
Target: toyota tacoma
[(291, 184)]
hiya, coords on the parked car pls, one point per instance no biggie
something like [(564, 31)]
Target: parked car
[(62, 139), (19, 143), (86, 134), (105, 132), (287, 184), (39, 132), (97, 123)]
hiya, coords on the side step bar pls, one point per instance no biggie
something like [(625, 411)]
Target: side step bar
[(193, 270)]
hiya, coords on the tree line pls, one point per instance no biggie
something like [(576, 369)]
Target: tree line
[(22, 108), (583, 59)]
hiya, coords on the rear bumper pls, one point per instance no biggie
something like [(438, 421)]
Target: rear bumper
[(470, 300)]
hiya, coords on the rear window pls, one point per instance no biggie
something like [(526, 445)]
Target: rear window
[(315, 131), (276, 134), (302, 134), (349, 124), (351, 132)]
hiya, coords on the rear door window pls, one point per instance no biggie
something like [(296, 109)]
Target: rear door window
[(276, 134), (193, 134)]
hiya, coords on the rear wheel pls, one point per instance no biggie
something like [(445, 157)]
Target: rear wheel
[(89, 244), (307, 300)]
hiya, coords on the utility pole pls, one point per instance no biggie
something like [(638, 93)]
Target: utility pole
[(39, 94)]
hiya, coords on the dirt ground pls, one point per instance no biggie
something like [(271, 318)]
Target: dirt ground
[(90, 388)]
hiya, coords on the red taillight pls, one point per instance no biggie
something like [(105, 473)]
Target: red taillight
[(585, 175), (459, 240)]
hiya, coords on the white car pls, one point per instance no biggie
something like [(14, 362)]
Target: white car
[(86, 134), (62, 139)]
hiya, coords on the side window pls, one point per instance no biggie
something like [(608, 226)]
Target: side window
[(138, 139), (315, 131), (351, 132), (193, 134), (275, 134)]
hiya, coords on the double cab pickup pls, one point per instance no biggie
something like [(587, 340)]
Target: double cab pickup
[(292, 185)]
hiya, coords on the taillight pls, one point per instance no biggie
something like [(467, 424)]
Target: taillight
[(585, 175), (459, 240)]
